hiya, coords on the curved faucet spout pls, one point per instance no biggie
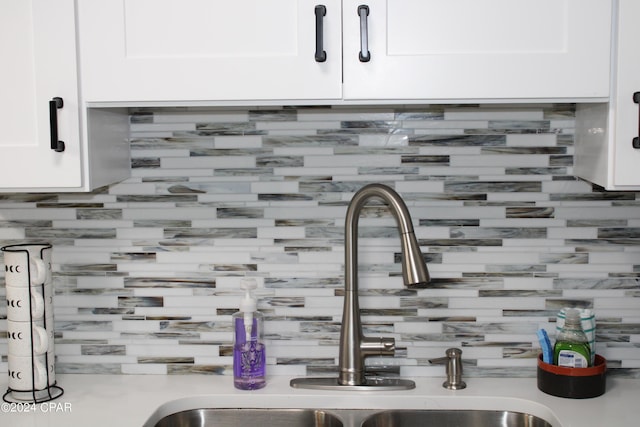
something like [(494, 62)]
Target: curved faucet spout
[(354, 346)]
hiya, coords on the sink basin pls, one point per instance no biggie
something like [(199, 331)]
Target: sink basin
[(448, 418), (347, 417), (250, 417)]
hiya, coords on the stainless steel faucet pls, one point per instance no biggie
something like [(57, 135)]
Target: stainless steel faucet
[(354, 346)]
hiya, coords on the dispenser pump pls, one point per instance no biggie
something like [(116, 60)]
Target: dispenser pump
[(249, 303)]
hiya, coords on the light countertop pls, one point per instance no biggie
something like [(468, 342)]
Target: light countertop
[(130, 400)]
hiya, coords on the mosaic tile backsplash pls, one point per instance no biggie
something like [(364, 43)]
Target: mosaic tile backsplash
[(146, 271)]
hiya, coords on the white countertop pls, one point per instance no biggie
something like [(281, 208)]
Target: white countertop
[(129, 400)]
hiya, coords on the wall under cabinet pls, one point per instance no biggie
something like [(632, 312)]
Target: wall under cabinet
[(146, 272)]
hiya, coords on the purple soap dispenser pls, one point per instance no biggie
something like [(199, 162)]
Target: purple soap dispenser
[(248, 346)]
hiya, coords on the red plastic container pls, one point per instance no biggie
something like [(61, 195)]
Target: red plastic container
[(575, 383)]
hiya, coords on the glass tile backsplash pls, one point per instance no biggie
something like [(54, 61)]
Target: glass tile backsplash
[(146, 272)]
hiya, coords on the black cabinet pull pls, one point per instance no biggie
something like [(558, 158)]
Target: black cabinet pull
[(320, 12), (365, 55), (54, 105), (636, 140), (363, 13)]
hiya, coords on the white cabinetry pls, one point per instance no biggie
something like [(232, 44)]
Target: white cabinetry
[(38, 47), (208, 50), (157, 51), (451, 50), (605, 151)]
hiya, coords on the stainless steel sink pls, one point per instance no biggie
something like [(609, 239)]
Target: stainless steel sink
[(448, 418), (250, 417), (346, 417)]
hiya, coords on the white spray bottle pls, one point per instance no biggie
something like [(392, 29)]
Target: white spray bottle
[(248, 347)]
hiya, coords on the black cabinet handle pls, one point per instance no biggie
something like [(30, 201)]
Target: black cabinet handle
[(54, 105), (320, 12), (636, 140), (363, 13)]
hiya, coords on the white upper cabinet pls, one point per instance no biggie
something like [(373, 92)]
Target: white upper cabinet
[(607, 134), (157, 51), (43, 144), (208, 50), (37, 44), (478, 49)]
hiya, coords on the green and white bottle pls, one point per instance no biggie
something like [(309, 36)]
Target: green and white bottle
[(572, 345)]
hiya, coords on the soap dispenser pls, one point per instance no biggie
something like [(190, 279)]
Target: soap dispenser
[(249, 361)]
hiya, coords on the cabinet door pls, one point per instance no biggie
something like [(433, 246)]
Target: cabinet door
[(470, 49), (208, 50), (627, 82), (37, 44)]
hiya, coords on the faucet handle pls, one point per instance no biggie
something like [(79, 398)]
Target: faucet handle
[(453, 359), (378, 346)]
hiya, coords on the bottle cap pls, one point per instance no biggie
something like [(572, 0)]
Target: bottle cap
[(572, 316)]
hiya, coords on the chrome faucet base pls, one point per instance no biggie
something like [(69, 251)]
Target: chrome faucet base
[(371, 384), (454, 386)]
